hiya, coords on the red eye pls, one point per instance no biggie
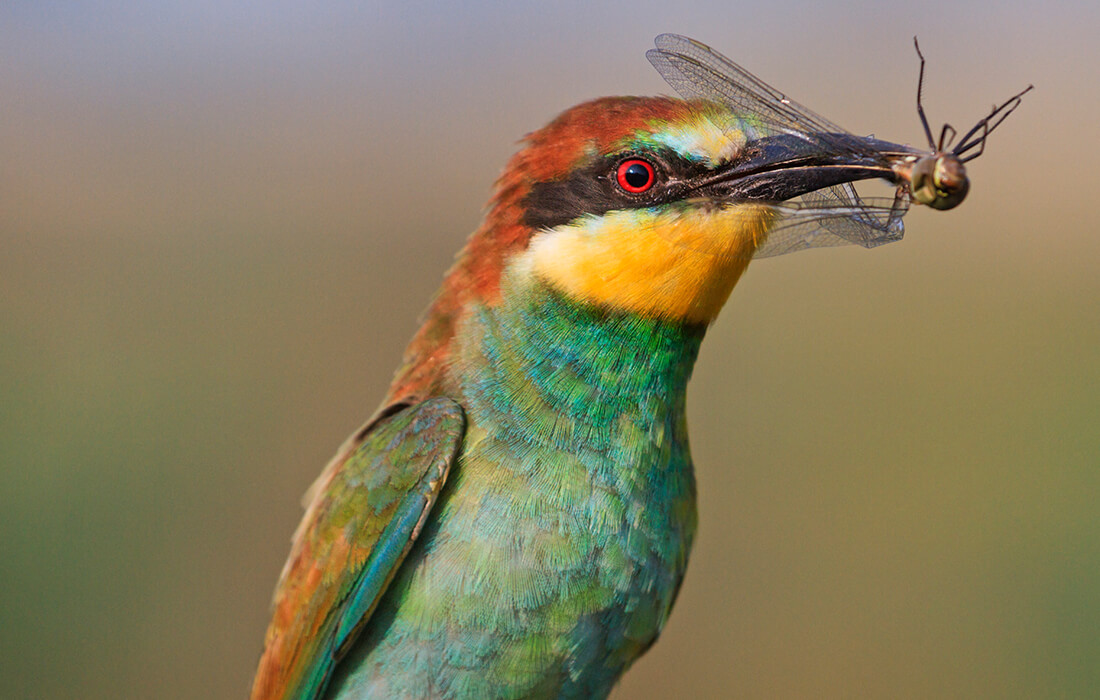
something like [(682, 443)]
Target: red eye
[(635, 175)]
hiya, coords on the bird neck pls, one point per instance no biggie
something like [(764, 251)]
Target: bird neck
[(571, 370)]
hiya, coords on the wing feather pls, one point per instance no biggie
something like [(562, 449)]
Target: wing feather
[(362, 521)]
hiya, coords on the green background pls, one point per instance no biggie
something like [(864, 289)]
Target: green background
[(220, 221)]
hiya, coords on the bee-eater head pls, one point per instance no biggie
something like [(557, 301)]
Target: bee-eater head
[(648, 205), (624, 211), (651, 205)]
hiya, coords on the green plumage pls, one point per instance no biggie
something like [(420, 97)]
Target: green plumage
[(547, 386), (366, 519), (554, 554)]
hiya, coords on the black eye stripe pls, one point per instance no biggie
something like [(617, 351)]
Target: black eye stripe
[(596, 189)]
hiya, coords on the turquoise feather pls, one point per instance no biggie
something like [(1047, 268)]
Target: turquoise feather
[(553, 557), (367, 517)]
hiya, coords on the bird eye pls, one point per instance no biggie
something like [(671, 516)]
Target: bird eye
[(635, 175)]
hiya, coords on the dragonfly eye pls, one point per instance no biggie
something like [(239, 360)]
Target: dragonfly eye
[(635, 175), (939, 181), (949, 174)]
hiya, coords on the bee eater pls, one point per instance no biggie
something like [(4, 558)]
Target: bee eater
[(516, 518)]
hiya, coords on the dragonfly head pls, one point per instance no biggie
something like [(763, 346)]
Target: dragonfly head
[(939, 178), (939, 181)]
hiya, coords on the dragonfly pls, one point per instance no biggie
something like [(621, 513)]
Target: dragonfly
[(837, 214)]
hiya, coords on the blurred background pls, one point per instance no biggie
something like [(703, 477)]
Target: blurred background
[(219, 222)]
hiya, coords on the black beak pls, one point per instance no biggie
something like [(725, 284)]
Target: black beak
[(778, 168)]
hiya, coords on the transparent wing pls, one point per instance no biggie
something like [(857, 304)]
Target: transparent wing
[(829, 217), (696, 71), (836, 216)]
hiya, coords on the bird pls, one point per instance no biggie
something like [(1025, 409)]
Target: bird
[(515, 519)]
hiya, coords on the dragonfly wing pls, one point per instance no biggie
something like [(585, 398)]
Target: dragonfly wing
[(835, 216), (698, 72), (832, 216)]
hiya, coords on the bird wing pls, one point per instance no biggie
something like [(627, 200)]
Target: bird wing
[(371, 506)]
